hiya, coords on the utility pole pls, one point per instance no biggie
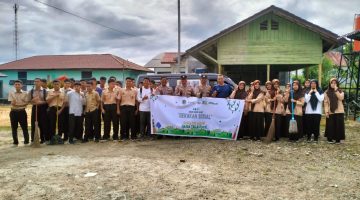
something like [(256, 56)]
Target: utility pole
[(179, 39), (16, 43)]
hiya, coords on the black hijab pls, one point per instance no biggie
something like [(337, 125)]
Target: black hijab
[(256, 93), (298, 94), (313, 99), (240, 93), (330, 92)]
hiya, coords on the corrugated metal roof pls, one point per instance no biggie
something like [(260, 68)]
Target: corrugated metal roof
[(85, 61)]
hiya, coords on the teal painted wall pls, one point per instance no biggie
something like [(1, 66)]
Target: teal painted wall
[(53, 74)]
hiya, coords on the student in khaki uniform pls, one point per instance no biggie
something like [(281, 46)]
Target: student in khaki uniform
[(298, 101), (92, 113), (279, 109), (184, 89), (203, 89), (334, 111), (65, 112), (127, 99), (55, 100), (283, 114), (256, 117), (269, 105), (163, 89), (19, 101), (240, 93), (37, 97), (110, 109)]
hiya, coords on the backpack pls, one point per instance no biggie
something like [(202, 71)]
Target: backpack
[(32, 94), (151, 90)]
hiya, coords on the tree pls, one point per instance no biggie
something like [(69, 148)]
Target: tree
[(328, 71)]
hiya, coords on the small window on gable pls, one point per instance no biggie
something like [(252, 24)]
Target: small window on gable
[(264, 25), (274, 25)]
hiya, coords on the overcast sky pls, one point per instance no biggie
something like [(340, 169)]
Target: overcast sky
[(46, 31)]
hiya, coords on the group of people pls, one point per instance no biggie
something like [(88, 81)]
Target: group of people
[(60, 112), (305, 104)]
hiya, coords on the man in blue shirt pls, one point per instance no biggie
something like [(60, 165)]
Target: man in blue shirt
[(221, 90)]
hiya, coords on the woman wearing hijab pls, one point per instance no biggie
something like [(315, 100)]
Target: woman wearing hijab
[(334, 111), (313, 110), (269, 105), (256, 119), (240, 93), (305, 90), (298, 101), (279, 109), (283, 114)]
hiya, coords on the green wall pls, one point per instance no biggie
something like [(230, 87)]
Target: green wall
[(290, 44), (53, 74)]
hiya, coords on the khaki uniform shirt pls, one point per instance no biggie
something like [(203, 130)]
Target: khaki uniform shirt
[(164, 90), (109, 97), (20, 98), (37, 94), (92, 101), (127, 97), (184, 91), (259, 102), (340, 108), (202, 91), (297, 106), (56, 101)]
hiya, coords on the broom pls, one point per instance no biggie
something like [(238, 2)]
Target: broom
[(271, 131), (36, 142), (56, 139), (293, 124)]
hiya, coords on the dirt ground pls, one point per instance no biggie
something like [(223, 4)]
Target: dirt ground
[(182, 169)]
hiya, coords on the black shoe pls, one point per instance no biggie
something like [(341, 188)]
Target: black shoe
[(96, 140), (71, 142)]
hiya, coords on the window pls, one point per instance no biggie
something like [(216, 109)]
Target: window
[(264, 25), (86, 74), (274, 25), (22, 76)]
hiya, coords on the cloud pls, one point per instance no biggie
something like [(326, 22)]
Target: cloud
[(44, 30)]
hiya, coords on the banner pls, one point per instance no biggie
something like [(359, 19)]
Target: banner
[(196, 117)]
